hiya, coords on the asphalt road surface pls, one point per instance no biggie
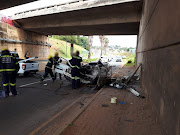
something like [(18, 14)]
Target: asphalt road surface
[(37, 103)]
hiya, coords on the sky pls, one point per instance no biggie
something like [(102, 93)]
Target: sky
[(124, 41)]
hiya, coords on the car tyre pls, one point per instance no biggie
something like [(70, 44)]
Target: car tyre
[(26, 73)]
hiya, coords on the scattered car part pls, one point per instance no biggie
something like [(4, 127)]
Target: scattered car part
[(134, 92), (113, 100), (123, 83)]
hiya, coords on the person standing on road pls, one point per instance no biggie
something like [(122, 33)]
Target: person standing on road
[(8, 68), (48, 69), (27, 55), (57, 60), (75, 71), (15, 54)]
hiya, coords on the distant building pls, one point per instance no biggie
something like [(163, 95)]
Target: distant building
[(133, 50)]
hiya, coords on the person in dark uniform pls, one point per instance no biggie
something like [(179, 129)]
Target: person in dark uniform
[(75, 72), (48, 69), (8, 68), (27, 55), (57, 60), (15, 54)]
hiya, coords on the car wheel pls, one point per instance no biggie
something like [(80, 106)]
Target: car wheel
[(26, 73)]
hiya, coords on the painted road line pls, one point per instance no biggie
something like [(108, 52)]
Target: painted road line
[(34, 132), (32, 83), (53, 118)]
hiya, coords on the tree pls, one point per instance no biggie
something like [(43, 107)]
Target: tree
[(70, 39), (102, 40), (83, 41), (106, 43), (90, 41)]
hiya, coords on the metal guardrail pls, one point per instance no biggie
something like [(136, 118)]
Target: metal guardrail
[(23, 42), (56, 5)]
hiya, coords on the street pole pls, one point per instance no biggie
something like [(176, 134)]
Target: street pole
[(66, 49)]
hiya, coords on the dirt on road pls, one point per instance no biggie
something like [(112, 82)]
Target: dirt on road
[(130, 116)]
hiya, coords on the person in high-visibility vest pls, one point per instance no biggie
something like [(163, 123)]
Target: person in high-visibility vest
[(57, 60), (9, 67), (48, 69), (27, 55), (75, 71)]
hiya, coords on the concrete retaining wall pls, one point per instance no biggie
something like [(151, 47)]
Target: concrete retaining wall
[(159, 51), (33, 40)]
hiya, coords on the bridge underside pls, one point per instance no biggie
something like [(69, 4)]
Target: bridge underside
[(11, 3), (108, 29), (122, 18)]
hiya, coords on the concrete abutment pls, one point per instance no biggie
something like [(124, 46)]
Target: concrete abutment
[(12, 37), (158, 50)]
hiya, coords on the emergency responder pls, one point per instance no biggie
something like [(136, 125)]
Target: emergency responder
[(27, 55), (8, 68), (48, 69), (57, 60), (15, 54), (76, 65)]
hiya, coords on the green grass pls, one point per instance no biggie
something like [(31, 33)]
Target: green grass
[(64, 48), (130, 58)]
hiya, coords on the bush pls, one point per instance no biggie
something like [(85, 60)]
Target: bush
[(129, 61)]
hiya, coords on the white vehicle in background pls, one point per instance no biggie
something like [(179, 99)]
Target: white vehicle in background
[(105, 59), (26, 65), (123, 57), (116, 62)]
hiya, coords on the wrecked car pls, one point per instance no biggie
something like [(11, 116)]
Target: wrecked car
[(90, 73)]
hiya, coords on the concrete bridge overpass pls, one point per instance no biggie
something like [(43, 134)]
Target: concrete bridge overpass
[(157, 49), (11, 3), (84, 17)]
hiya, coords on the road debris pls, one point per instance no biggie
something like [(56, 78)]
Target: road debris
[(105, 105), (124, 83), (122, 103), (134, 92), (128, 120), (113, 100), (81, 103)]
